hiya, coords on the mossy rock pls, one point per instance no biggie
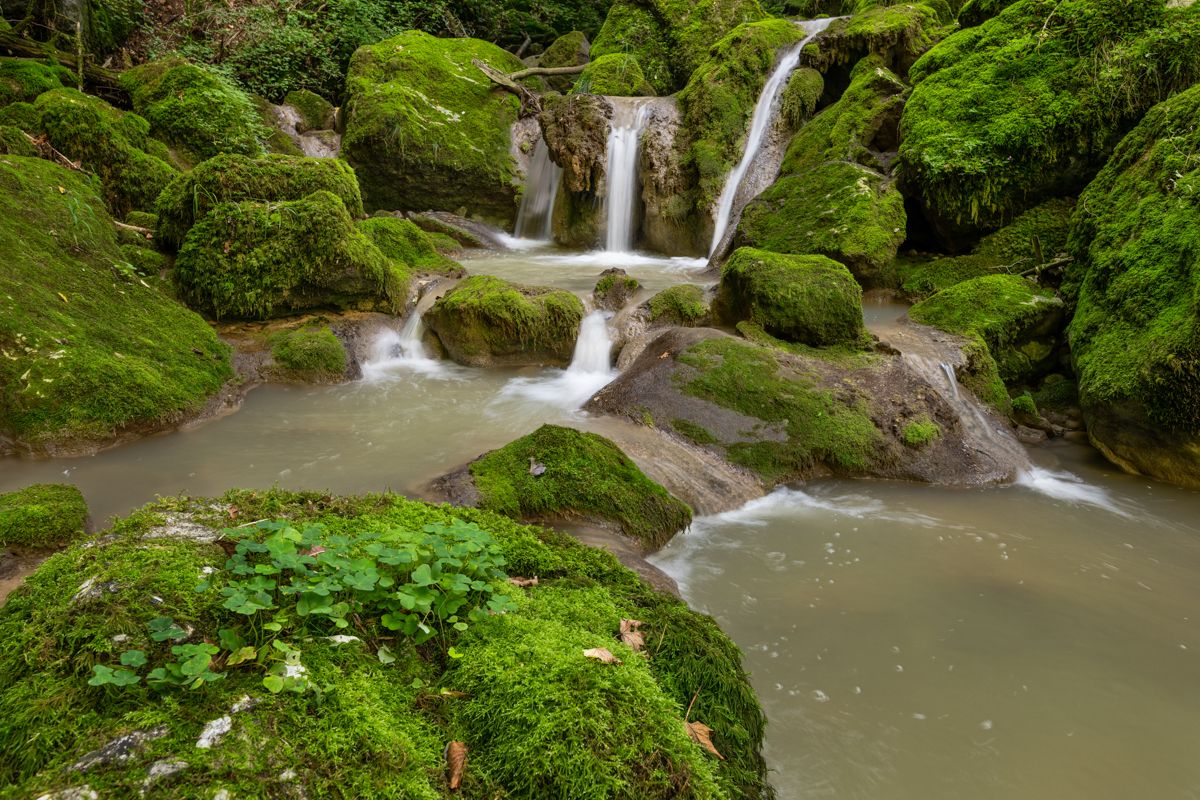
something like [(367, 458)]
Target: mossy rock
[(813, 300), (486, 321), (670, 38), (195, 108), (21, 115), (312, 354), (1029, 104), (679, 305), (42, 516), (108, 142), (13, 141), (539, 718), (316, 113), (614, 290), (23, 79), (898, 34), (586, 476), (920, 433), (615, 75), (254, 260), (231, 178), (1135, 335), (408, 246), (426, 130), (569, 50), (93, 353), (1017, 320), (145, 260)]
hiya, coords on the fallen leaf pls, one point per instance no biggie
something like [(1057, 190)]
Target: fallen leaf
[(666, 354), (602, 654), (524, 582), (62, 190), (702, 735), (64, 297), (456, 761), (316, 550), (631, 636), (452, 694)]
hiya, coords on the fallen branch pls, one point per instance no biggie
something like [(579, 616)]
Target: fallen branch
[(125, 226), (98, 81), (47, 151), (533, 71), (530, 102)]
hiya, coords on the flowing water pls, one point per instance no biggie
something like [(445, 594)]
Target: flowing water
[(535, 218), (542, 264), (621, 200), (765, 111)]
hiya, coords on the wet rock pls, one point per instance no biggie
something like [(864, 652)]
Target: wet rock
[(162, 769), (214, 731), (669, 223), (575, 129), (614, 289), (120, 749)]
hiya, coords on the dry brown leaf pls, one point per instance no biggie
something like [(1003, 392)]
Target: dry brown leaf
[(524, 582), (702, 735), (456, 762), (602, 654), (631, 636)]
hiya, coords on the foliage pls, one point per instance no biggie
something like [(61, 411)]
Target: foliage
[(309, 352), (586, 475), (679, 305), (614, 74), (42, 515)]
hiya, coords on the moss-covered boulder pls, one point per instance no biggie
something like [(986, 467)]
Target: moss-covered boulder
[(670, 38), (91, 351), (1029, 104), (835, 195), (42, 516), (111, 143), (679, 305), (426, 130), (316, 113), (813, 300), (195, 108), (1135, 334), (14, 141), (897, 34), (569, 50), (1018, 321), (616, 75), (586, 476), (408, 246), (310, 354), (123, 629), (22, 79), (614, 290), (21, 115), (486, 321), (232, 178)]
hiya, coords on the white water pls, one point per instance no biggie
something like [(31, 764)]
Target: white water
[(760, 123), (395, 354), (621, 198), (589, 372), (951, 378), (535, 218)]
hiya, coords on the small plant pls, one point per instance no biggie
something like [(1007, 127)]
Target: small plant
[(920, 433)]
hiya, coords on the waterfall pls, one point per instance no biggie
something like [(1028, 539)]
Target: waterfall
[(392, 352), (622, 201), (593, 348), (541, 187), (760, 123), (951, 378), (590, 370)]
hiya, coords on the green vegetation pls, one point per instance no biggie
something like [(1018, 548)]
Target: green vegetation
[(21, 115), (256, 260), (13, 141), (22, 79), (586, 476), (1024, 404), (615, 74), (370, 715), (483, 320), (426, 130), (42, 515), (195, 109), (406, 245), (919, 433), (808, 299), (1057, 393), (231, 178), (569, 50), (679, 305), (902, 31), (696, 434), (89, 350), (311, 353), (316, 112)]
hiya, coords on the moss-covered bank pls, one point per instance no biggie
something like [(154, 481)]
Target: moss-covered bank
[(44, 515)]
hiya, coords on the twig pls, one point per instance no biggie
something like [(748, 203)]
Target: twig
[(688, 713)]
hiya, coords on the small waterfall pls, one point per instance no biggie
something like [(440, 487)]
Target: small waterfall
[(765, 111), (590, 370), (951, 378), (393, 352), (622, 200), (593, 348), (534, 220)]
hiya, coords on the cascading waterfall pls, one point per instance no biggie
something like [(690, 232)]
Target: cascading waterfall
[(765, 111), (624, 145), (590, 370), (535, 218), (393, 351)]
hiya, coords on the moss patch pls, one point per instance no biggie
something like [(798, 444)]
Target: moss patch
[(679, 305), (316, 112), (407, 245), (311, 353), (22, 79), (569, 50), (41, 516), (616, 75), (919, 433), (13, 141), (586, 476)]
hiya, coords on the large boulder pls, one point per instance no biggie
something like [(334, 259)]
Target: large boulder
[(569, 50), (898, 34), (42, 516), (575, 129), (93, 350), (813, 300), (615, 75), (22, 79), (427, 130), (486, 321), (1135, 335)]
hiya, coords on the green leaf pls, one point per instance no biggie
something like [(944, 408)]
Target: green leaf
[(241, 655), (230, 639), (422, 575), (384, 653), (133, 658), (454, 653), (273, 684)]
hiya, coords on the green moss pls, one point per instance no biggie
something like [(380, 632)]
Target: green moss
[(817, 427), (230, 178), (982, 376), (539, 719), (998, 308), (808, 299), (801, 95), (311, 352), (696, 434), (483, 318), (1057, 393), (679, 305), (316, 113), (195, 108), (90, 351), (920, 433), (902, 31), (21, 115), (586, 476), (22, 79), (614, 290), (407, 245), (616, 75), (43, 515), (635, 29), (569, 50), (108, 142), (426, 130), (145, 260), (1135, 338), (1024, 404), (13, 141), (1029, 104)]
